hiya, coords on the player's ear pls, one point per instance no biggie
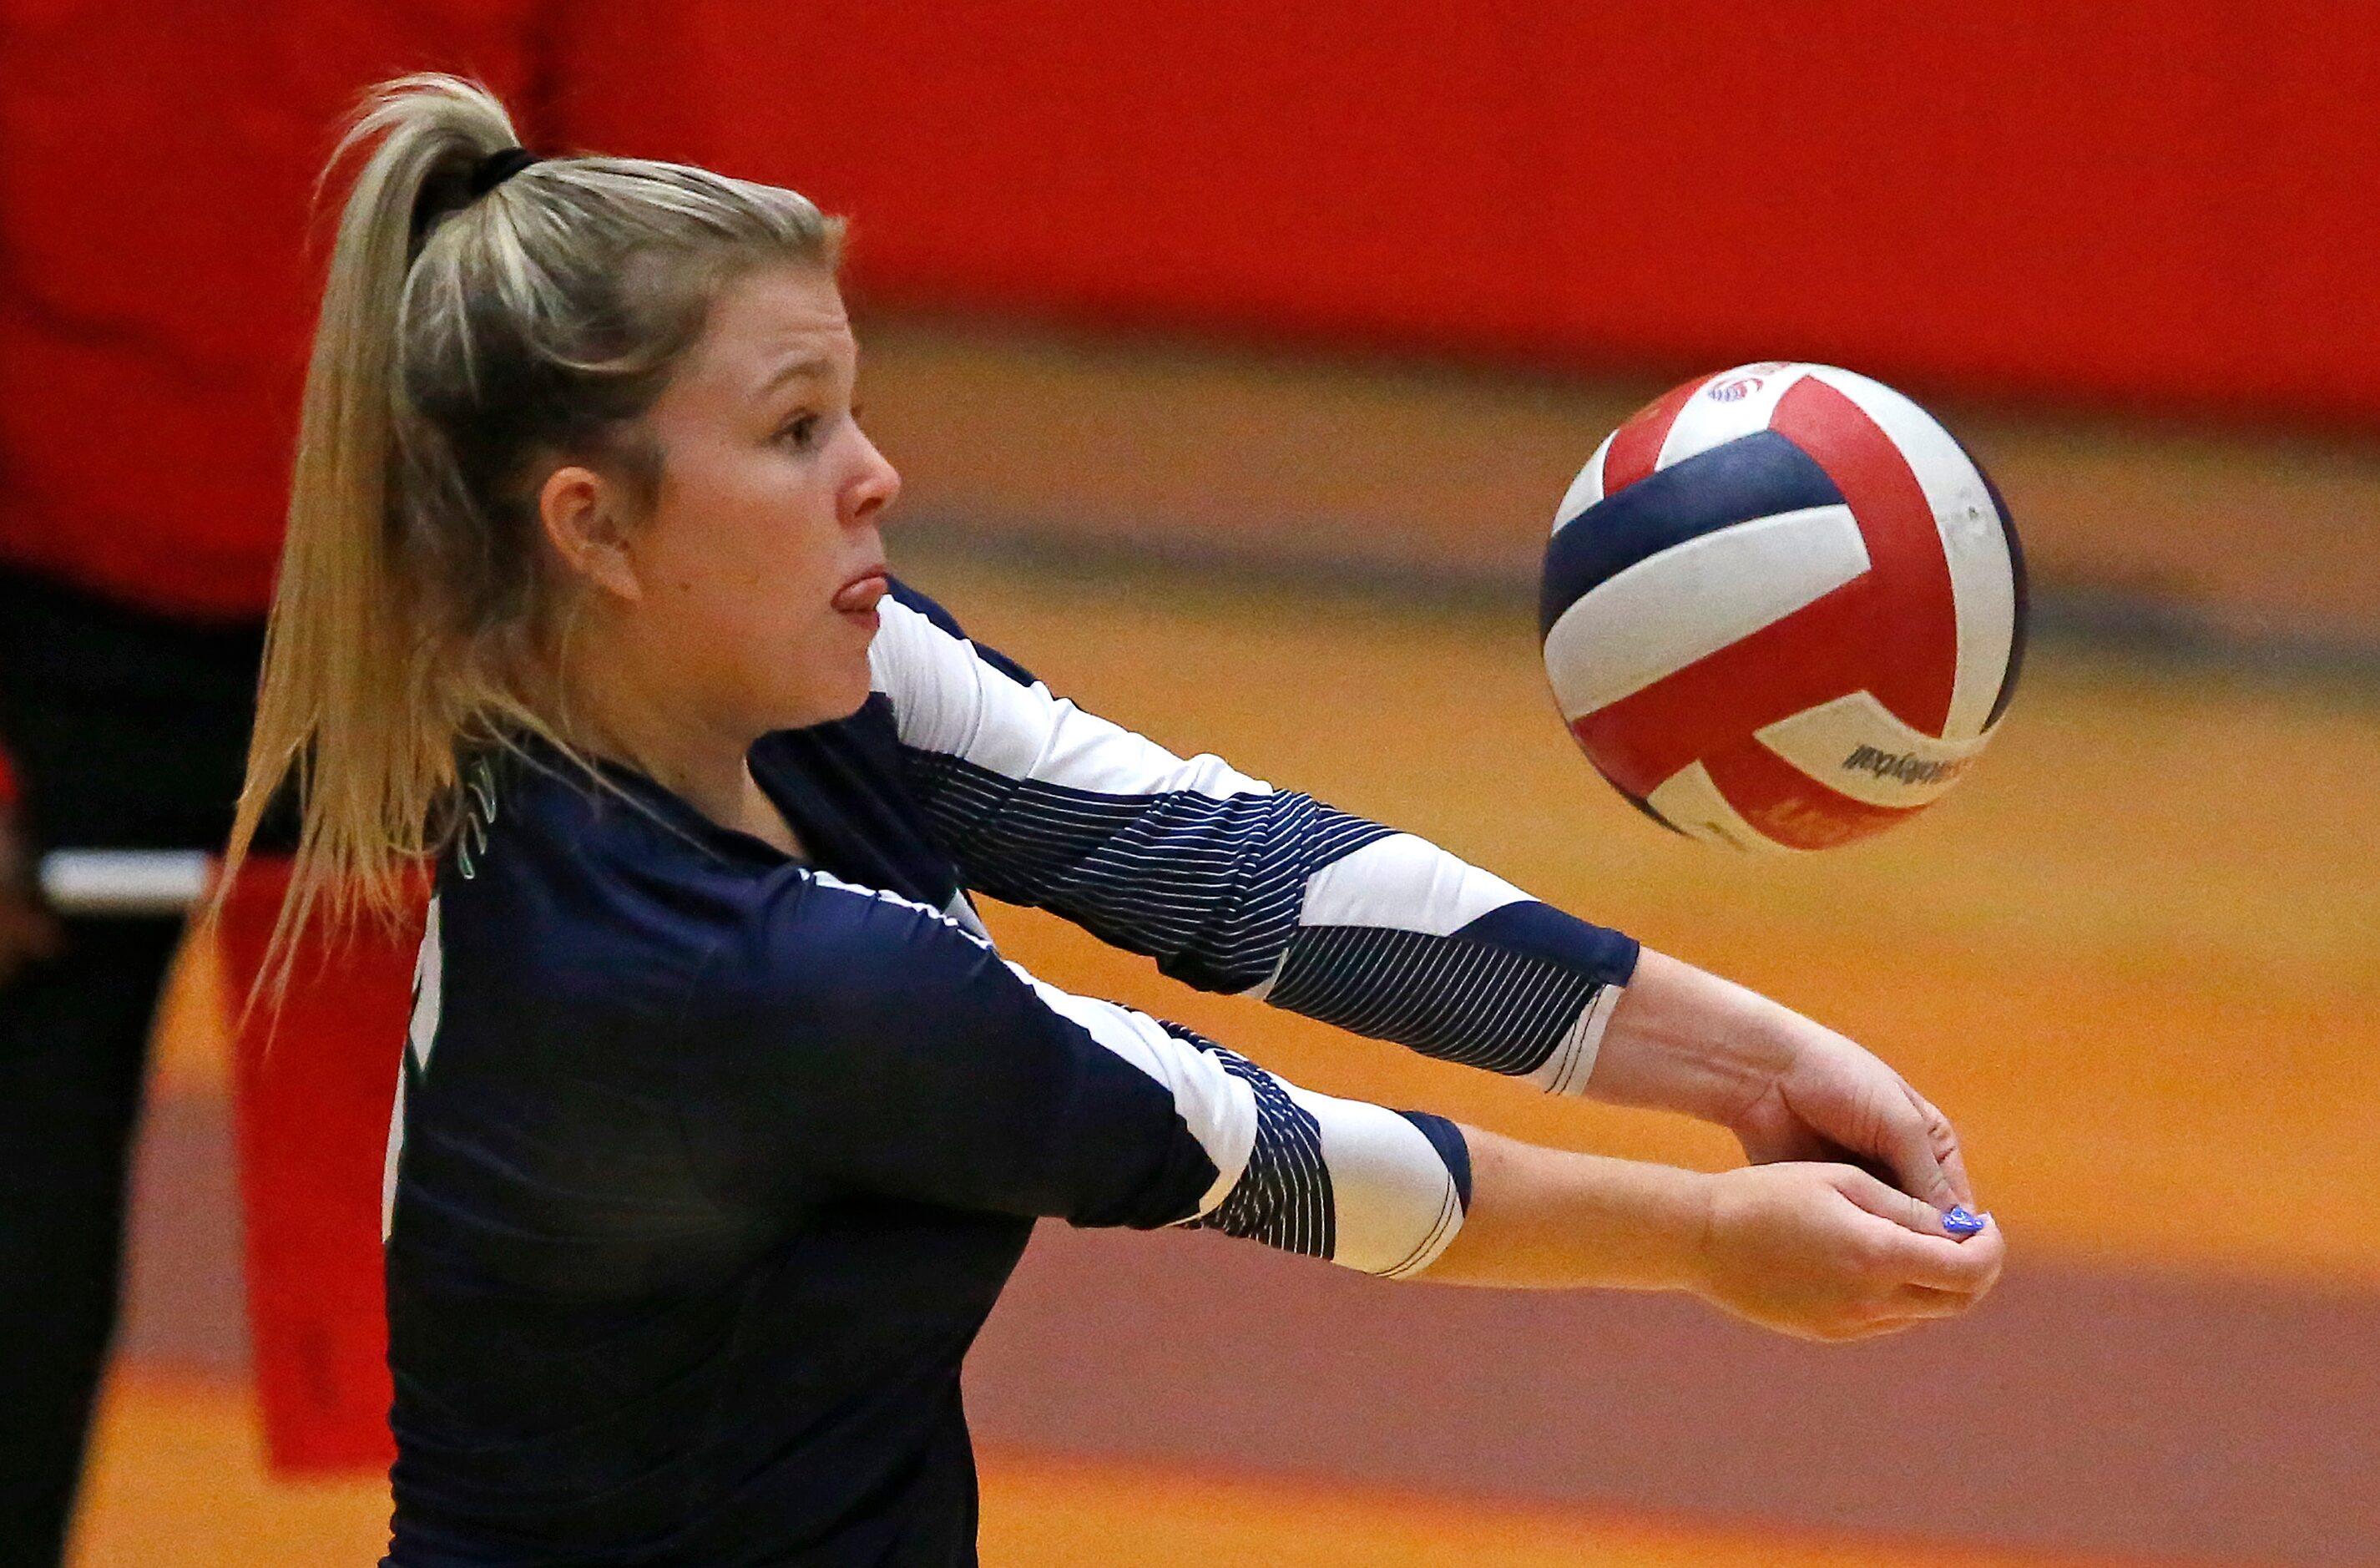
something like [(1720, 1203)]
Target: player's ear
[(585, 517)]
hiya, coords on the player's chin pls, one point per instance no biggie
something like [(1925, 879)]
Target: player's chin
[(846, 681), (822, 680)]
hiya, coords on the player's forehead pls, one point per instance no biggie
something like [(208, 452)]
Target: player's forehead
[(773, 331)]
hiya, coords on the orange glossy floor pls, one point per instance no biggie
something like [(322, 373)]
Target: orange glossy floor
[(178, 1481), (2136, 956)]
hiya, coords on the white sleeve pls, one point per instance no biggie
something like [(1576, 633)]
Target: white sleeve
[(1364, 1186), (1230, 884)]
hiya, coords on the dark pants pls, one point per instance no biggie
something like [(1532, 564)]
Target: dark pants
[(127, 731)]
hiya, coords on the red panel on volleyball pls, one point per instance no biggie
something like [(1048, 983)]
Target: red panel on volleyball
[(1908, 629)]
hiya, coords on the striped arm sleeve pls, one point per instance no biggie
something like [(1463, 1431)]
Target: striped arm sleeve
[(872, 1041), (1401, 941), (1376, 1190), (1230, 884)]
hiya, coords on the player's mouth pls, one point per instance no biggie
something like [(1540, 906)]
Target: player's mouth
[(856, 600)]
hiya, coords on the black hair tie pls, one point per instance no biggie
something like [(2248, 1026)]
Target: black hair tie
[(497, 167)]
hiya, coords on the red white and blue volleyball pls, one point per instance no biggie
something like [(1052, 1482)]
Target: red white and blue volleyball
[(1783, 608)]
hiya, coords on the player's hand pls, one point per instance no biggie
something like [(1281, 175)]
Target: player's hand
[(1832, 1100), (1826, 1252), (28, 930), (1789, 1088)]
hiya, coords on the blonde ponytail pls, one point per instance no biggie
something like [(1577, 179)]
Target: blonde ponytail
[(461, 339)]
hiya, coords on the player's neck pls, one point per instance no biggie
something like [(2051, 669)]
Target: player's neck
[(702, 763)]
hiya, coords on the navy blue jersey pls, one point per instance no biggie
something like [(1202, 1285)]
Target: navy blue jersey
[(709, 1163)]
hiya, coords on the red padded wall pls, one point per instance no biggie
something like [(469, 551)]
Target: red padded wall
[(2165, 203)]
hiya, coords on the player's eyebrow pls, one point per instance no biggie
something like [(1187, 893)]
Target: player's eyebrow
[(815, 366)]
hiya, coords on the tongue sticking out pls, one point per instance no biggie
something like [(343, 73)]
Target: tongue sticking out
[(859, 598)]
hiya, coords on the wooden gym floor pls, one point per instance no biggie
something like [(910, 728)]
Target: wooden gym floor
[(177, 1482)]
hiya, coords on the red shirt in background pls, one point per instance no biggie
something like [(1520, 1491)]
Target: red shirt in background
[(157, 289), (157, 283)]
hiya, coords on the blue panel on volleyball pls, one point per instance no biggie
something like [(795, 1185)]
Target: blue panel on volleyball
[(1754, 476)]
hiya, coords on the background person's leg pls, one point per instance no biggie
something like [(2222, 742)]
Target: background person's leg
[(73, 1045)]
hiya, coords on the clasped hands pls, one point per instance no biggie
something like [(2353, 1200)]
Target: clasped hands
[(1806, 1239)]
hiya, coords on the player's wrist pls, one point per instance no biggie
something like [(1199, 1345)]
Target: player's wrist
[(1692, 1203), (1683, 1039), (1661, 1227)]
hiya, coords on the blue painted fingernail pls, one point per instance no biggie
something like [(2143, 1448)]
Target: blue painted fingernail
[(1959, 1222)]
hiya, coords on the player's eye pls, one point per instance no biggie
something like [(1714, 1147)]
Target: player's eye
[(801, 432)]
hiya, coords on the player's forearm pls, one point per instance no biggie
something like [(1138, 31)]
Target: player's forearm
[(1545, 1219), (1683, 1039)]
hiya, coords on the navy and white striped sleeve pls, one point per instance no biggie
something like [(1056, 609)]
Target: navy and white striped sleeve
[(1230, 884), (873, 1043)]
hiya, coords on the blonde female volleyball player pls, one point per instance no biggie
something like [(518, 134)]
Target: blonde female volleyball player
[(722, 1122)]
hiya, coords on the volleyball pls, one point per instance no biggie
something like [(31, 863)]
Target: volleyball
[(1783, 608)]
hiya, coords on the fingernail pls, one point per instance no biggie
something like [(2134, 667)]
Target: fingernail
[(1959, 1222)]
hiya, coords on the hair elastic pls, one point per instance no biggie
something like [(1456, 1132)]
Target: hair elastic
[(497, 167)]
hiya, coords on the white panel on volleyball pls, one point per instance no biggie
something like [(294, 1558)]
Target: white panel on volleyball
[(1854, 745), (1585, 490), (1669, 610), (1983, 579), (1730, 405), (1691, 803)]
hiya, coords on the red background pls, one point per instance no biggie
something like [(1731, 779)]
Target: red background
[(2167, 204)]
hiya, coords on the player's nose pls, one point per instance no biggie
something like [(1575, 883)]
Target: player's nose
[(877, 486)]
